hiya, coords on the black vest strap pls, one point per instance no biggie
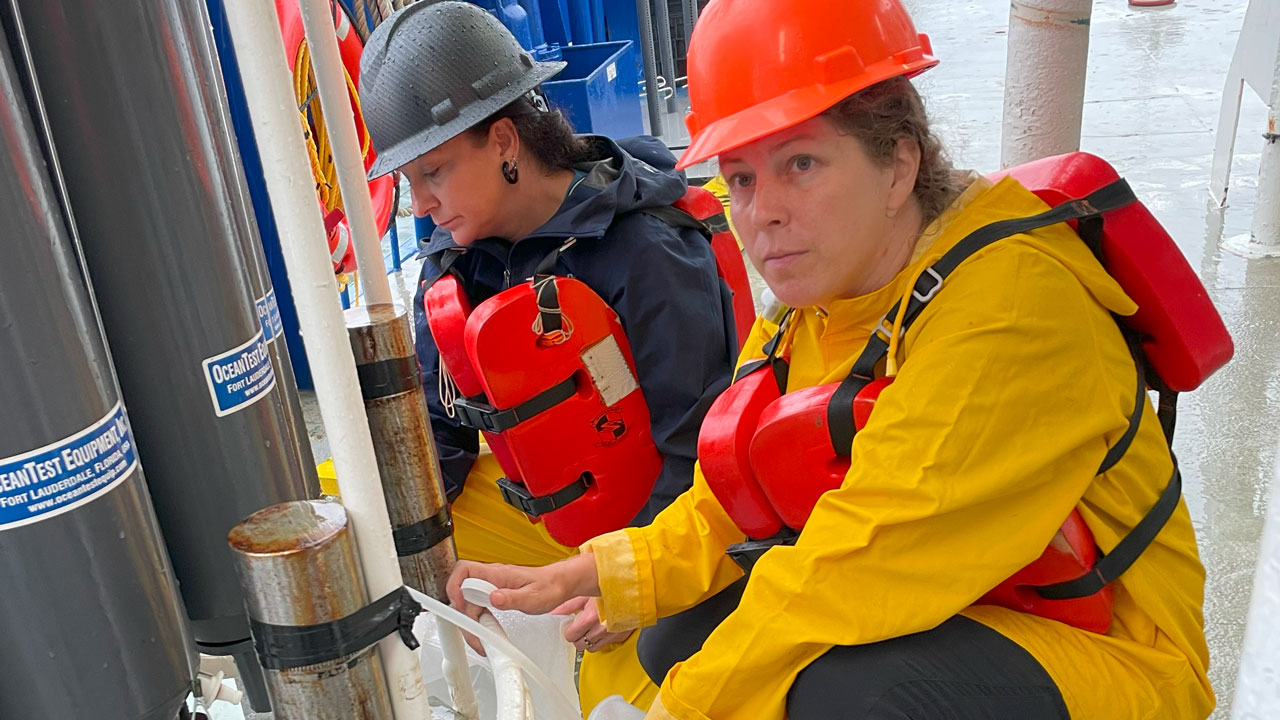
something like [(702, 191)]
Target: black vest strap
[(479, 415), (677, 218), (1111, 566), (777, 364), (517, 495), (840, 410), (1088, 211)]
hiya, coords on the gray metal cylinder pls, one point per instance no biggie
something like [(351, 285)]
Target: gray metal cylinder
[(92, 623), (297, 563), (160, 235), (402, 441), (690, 8), (668, 55), (231, 170), (649, 61)]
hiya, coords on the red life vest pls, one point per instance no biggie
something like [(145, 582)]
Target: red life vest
[(754, 437), (546, 373), (577, 450), (705, 207)]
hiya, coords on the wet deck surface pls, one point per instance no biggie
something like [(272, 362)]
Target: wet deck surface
[(1154, 86)]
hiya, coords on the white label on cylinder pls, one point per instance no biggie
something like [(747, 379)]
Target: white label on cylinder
[(239, 377), (67, 473), (609, 370)]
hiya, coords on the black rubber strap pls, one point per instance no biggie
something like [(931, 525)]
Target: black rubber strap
[(532, 505), (478, 415), (547, 298), (1111, 566), (779, 365), (385, 378), (1139, 404), (840, 415), (423, 535), (747, 554), (284, 647), (677, 218)]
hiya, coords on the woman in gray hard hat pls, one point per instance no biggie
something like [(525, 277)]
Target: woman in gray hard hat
[(523, 205)]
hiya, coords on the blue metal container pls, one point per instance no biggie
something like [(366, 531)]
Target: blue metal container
[(599, 90)]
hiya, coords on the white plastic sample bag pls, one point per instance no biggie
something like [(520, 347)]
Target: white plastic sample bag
[(538, 636)]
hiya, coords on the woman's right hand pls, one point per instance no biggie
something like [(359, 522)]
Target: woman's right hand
[(531, 590)]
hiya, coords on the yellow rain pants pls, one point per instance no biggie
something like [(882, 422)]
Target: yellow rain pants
[(487, 529), (1013, 383)]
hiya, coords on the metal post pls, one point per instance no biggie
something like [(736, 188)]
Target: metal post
[(92, 622), (317, 19), (279, 137), (1044, 78), (232, 171), (650, 64), (192, 360), (690, 17), (1263, 239), (668, 54), (298, 567), (401, 430), (391, 384), (1257, 695)]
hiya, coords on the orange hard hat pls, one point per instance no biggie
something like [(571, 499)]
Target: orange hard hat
[(760, 66)]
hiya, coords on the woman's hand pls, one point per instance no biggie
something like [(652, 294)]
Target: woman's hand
[(531, 590), (586, 631)]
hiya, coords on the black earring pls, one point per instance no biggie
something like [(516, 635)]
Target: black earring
[(510, 172)]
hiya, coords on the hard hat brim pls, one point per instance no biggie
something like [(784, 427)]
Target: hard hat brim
[(413, 147), (784, 111)]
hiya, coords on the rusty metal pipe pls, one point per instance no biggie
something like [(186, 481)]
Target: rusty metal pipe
[(297, 566), (403, 445), (405, 449)]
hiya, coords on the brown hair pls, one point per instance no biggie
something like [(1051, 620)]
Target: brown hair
[(546, 134), (887, 112)]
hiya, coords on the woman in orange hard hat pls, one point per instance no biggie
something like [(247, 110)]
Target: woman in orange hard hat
[(1006, 403)]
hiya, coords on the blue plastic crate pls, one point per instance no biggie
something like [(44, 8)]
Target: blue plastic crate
[(599, 90)]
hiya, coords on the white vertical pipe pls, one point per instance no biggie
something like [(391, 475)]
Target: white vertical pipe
[(317, 20), (457, 672), (1266, 215), (256, 34), (1257, 692), (1263, 239), (1044, 78)]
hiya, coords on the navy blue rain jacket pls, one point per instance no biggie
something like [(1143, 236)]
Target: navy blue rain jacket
[(660, 280)]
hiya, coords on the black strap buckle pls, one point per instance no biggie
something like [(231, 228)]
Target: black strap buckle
[(517, 495), (480, 415), (477, 414), (747, 554)]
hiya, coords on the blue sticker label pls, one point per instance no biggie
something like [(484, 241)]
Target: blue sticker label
[(66, 474), (277, 324), (264, 318), (269, 316), (239, 377)]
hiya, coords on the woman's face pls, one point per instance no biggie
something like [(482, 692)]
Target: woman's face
[(818, 217), (460, 184)]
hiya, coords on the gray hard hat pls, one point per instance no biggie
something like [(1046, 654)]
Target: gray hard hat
[(432, 70)]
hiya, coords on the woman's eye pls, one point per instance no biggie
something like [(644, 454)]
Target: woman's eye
[(803, 163), (740, 180)]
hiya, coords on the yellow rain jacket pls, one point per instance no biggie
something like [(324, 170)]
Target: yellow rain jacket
[(1013, 383)]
